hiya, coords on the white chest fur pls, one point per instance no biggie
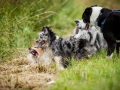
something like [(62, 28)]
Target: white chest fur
[(95, 13)]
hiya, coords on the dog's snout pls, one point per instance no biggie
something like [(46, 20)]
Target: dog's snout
[(29, 48), (36, 41)]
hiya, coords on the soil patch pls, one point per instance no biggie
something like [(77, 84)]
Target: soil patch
[(18, 74)]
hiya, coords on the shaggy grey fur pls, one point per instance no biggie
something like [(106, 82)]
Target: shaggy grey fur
[(97, 40), (63, 48)]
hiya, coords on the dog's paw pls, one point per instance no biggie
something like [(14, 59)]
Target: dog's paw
[(109, 57)]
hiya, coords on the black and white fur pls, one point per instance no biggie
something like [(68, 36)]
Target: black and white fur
[(95, 15), (84, 34), (62, 48), (97, 37)]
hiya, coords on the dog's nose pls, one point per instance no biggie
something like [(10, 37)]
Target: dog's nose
[(29, 48), (36, 41)]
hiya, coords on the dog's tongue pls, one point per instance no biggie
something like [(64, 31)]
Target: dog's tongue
[(42, 42), (34, 53), (87, 26)]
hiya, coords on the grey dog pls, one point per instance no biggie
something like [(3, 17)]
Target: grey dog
[(63, 48)]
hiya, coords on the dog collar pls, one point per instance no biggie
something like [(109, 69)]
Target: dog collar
[(96, 23), (103, 22)]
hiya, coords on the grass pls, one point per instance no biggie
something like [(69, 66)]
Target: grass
[(20, 22), (19, 75), (97, 73)]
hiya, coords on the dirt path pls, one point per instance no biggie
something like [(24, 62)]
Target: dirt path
[(17, 74)]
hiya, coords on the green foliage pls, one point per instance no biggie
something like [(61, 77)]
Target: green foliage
[(21, 20), (97, 73), (64, 20)]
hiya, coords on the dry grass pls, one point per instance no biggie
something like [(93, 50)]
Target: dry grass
[(17, 74)]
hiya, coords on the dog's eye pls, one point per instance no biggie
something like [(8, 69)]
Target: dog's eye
[(41, 36)]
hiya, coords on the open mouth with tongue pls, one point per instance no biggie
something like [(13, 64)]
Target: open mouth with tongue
[(42, 42), (87, 26), (33, 52)]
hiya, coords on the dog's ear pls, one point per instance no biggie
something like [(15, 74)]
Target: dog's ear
[(76, 21), (93, 6), (45, 29), (86, 15), (88, 10)]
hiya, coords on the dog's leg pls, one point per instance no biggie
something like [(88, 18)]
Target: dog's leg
[(117, 48), (97, 45), (111, 47), (111, 41), (94, 38), (100, 39), (59, 63)]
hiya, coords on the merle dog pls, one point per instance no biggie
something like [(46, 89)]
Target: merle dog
[(97, 37), (62, 48)]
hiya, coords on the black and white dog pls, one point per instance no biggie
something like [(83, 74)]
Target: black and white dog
[(97, 37), (109, 22), (62, 48), (80, 33)]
